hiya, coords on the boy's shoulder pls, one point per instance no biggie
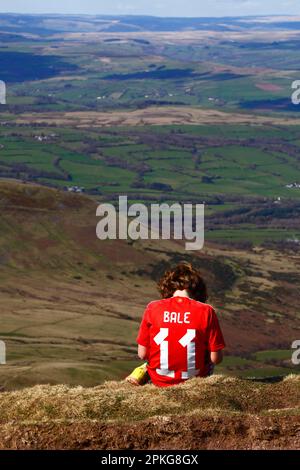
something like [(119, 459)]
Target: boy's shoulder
[(156, 303), (202, 305)]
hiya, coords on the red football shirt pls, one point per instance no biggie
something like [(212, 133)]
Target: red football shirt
[(177, 333)]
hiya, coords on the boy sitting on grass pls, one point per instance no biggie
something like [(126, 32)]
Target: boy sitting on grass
[(179, 336)]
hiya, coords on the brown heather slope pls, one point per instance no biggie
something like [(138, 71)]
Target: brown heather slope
[(152, 115), (71, 304), (215, 413)]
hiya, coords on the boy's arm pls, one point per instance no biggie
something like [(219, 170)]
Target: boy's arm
[(142, 352), (143, 336), (215, 339), (216, 357)]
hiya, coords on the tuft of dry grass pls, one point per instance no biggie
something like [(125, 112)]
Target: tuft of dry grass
[(121, 402)]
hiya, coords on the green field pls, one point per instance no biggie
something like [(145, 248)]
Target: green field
[(244, 168), (187, 161), (261, 364)]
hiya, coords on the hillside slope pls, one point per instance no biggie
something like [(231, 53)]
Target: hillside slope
[(71, 304), (215, 413)]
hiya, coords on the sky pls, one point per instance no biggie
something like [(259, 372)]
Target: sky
[(189, 8)]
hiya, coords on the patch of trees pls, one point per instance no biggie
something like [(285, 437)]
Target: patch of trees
[(21, 170), (139, 183), (285, 214), (139, 167), (207, 179), (287, 246), (56, 163)]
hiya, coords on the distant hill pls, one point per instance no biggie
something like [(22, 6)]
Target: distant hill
[(49, 24)]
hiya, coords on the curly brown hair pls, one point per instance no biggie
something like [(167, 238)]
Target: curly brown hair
[(183, 276)]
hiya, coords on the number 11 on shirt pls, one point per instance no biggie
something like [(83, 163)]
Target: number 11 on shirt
[(187, 342)]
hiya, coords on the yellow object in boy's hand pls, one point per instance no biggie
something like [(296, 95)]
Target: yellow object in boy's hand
[(139, 376)]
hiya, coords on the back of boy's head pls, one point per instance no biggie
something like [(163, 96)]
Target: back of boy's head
[(183, 276)]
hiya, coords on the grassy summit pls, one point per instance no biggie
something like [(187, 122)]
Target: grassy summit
[(116, 415)]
